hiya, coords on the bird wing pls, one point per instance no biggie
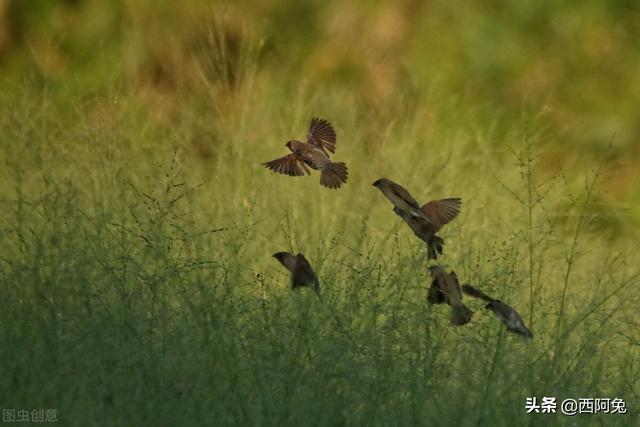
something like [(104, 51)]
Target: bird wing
[(454, 296), (401, 192), (287, 165), (288, 260), (434, 295), (420, 227), (442, 212), (454, 276), (322, 135), (477, 293), (304, 272), (514, 316)]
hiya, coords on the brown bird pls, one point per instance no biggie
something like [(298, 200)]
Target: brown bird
[(445, 288), (313, 154), (301, 272), (507, 314), (425, 221)]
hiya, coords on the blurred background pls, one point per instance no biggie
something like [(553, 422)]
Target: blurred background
[(566, 72), (137, 222)]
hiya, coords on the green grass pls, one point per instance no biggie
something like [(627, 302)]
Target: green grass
[(137, 227)]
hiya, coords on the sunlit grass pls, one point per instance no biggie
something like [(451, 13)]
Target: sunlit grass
[(138, 284)]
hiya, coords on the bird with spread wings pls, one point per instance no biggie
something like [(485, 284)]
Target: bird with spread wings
[(314, 154), (426, 220)]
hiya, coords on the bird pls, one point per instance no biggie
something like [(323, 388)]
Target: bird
[(426, 220), (314, 154), (302, 275), (507, 314), (446, 289)]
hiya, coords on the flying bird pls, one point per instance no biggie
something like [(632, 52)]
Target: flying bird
[(301, 272), (507, 314), (426, 220), (313, 154), (446, 289)]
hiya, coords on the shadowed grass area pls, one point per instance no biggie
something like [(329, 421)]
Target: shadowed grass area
[(137, 223), (138, 285)]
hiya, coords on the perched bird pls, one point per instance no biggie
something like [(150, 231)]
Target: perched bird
[(445, 288), (425, 221), (313, 154), (301, 272), (504, 312)]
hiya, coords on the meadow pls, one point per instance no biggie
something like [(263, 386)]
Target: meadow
[(137, 223)]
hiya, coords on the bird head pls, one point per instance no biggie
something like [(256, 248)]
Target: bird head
[(291, 144), (379, 182), (433, 269), (279, 255)]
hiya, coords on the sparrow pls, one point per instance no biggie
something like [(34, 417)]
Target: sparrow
[(425, 221), (445, 288), (301, 272), (313, 154), (507, 314)]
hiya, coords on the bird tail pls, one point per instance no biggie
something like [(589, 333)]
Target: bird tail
[(435, 245), (520, 329), (334, 175), (470, 290), (526, 336), (461, 315), (316, 288)]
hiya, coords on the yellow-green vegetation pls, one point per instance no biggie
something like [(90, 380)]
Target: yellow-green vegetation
[(137, 223)]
